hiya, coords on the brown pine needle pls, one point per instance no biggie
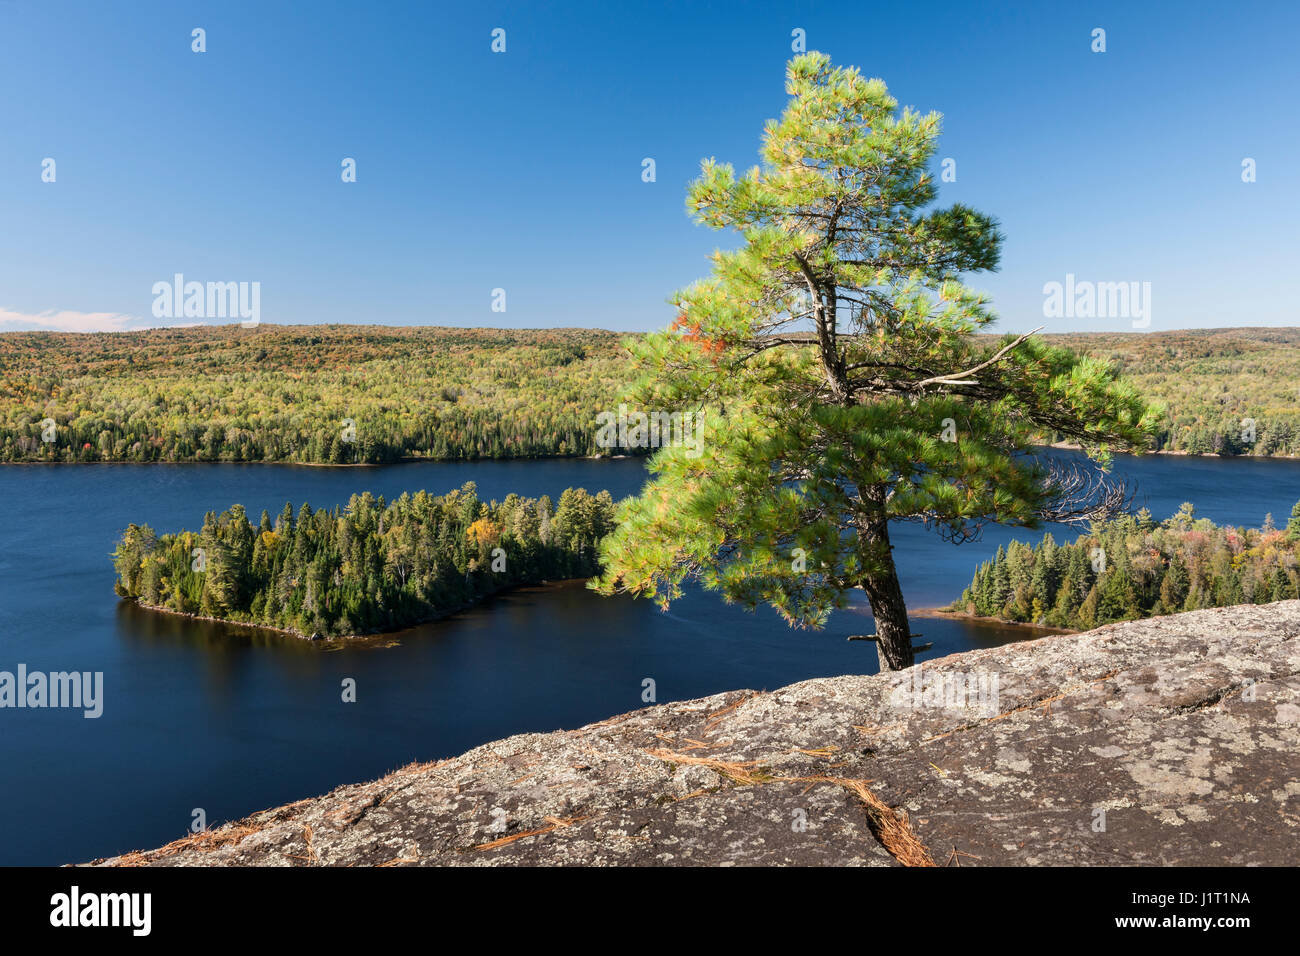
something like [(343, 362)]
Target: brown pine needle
[(817, 751), (738, 772), (311, 850), (891, 827), (556, 823), (717, 716), (204, 841)]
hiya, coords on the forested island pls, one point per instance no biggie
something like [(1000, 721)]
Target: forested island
[(370, 394), (1135, 567), (369, 567)]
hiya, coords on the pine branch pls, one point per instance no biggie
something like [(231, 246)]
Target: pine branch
[(954, 379)]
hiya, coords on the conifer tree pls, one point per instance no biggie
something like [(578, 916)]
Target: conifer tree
[(1282, 588), (1115, 599), (1173, 589), (1041, 585), (833, 362), (1293, 525)]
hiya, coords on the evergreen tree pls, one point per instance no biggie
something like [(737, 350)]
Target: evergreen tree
[(1293, 525), (1086, 617), (1173, 589), (1000, 590), (1115, 599), (1186, 516), (1164, 568), (832, 362), (1042, 585)]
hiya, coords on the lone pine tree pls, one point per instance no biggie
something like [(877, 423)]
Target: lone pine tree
[(833, 359)]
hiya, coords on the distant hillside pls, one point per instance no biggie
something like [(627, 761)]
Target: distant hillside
[(1214, 384), (288, 393)]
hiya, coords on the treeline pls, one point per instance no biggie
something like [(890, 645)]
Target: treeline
[(1136, 567), (369, 567), (1225, 391), (366, 394), (312, 394)]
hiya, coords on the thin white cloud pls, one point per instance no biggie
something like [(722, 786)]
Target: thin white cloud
[(70, 321)]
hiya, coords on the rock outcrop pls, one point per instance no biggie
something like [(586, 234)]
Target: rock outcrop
[(1171, 741)]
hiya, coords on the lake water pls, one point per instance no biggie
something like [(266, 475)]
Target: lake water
[(198, 715)]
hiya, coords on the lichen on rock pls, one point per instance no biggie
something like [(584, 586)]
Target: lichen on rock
[(1168, 741)]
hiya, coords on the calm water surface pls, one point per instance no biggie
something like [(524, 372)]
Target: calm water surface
[(198, 715)]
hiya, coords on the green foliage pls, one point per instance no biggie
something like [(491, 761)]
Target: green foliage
[(828, 356), (1126, 569), (1211, 383), (1293, 524), (372, 566), (282, 393)]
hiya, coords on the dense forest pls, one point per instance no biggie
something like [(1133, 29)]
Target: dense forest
[(371, 566), (1225, 391), (344, 394), (1136, 567), (323, 394)]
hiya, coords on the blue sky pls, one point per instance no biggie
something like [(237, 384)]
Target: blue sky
[(522, 170)]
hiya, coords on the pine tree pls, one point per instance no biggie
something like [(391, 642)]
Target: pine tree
[(1173, 589), (1041, 585), (1000, 590), (1115, 599), (1293, 525), (832, 362), (984, 595), (1086, 617)]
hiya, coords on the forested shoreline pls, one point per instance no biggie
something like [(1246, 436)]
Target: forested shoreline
[(1135, 567), (374, 394), (304, 394), (369, 567)]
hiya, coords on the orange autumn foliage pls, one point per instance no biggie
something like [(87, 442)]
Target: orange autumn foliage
[(708, 345)]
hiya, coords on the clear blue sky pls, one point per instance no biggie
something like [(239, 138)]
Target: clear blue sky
[(522, 170)]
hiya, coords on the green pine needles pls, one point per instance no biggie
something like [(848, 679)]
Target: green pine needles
[(832, 358)]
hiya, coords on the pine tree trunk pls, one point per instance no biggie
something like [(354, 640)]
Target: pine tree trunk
[(893, 635)]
